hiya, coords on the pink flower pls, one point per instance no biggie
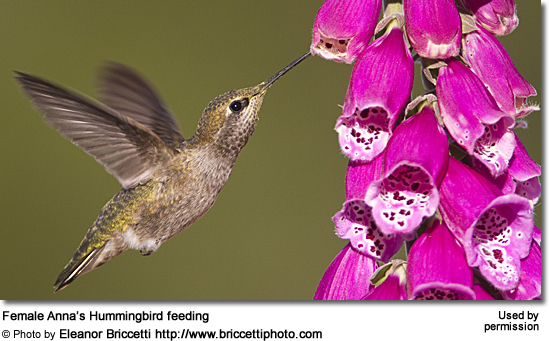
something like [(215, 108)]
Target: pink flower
[(415, 162), (379, 88), (497, 16), (347, 277), (495, 230), (343, 28), (473, 118), (433, 27), (491, 63), (437, 268)]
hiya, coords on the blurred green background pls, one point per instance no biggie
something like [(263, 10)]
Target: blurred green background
[(270, 234)]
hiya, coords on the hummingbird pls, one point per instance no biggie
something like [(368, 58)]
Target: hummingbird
[(168, 182)]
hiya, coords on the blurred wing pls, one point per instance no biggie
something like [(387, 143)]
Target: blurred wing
[(126, 148), (122, 89)]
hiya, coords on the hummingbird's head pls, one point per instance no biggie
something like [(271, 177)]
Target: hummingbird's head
[(229, 120)]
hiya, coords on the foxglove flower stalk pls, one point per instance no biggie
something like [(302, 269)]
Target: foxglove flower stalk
[(491, 63), (529, 286), (380, 85), (356, 222), (415, 163), (347, 277), (473, 118), (343, 28), (393, 286), (497, 16), (437, 268), (433, 27), (482, 243), (495, 230)]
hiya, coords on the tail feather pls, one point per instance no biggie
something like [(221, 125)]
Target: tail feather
[(78, 266)]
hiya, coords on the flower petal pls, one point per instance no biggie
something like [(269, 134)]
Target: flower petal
[(347, 277), (491, 63), (415, 163), (473, 118), (364, 136), (495, 230), (529, 286), (433, 27), (343, 28), (525, 172), (497, 16), (437, 268), (380, 85), (356, 223), (360, 175)]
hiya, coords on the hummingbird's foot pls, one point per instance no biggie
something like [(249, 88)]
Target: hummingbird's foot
[(145, 252)]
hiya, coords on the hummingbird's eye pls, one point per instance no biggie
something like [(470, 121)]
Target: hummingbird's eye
[(238, 105)]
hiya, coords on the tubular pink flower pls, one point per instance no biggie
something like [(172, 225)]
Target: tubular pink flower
[(392, 288), (529, 286), (347, 277), (473, 118), (415, 162), (521, 177), (491, 63), (355, 221), (343, 28), (437, 268), (433, 27), (497, 16), (495, 230), (380, 86)]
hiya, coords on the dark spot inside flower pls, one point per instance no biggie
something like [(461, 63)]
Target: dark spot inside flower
[(328, 45), (342, 41), (415, 186), (498, 255)]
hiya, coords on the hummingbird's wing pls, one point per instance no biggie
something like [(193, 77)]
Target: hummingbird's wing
[(126, 148), (124, 90)]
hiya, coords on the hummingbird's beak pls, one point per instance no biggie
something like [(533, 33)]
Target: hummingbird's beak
[(263, 87)]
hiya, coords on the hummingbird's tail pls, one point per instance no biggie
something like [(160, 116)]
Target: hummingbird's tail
[(79, 265)]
